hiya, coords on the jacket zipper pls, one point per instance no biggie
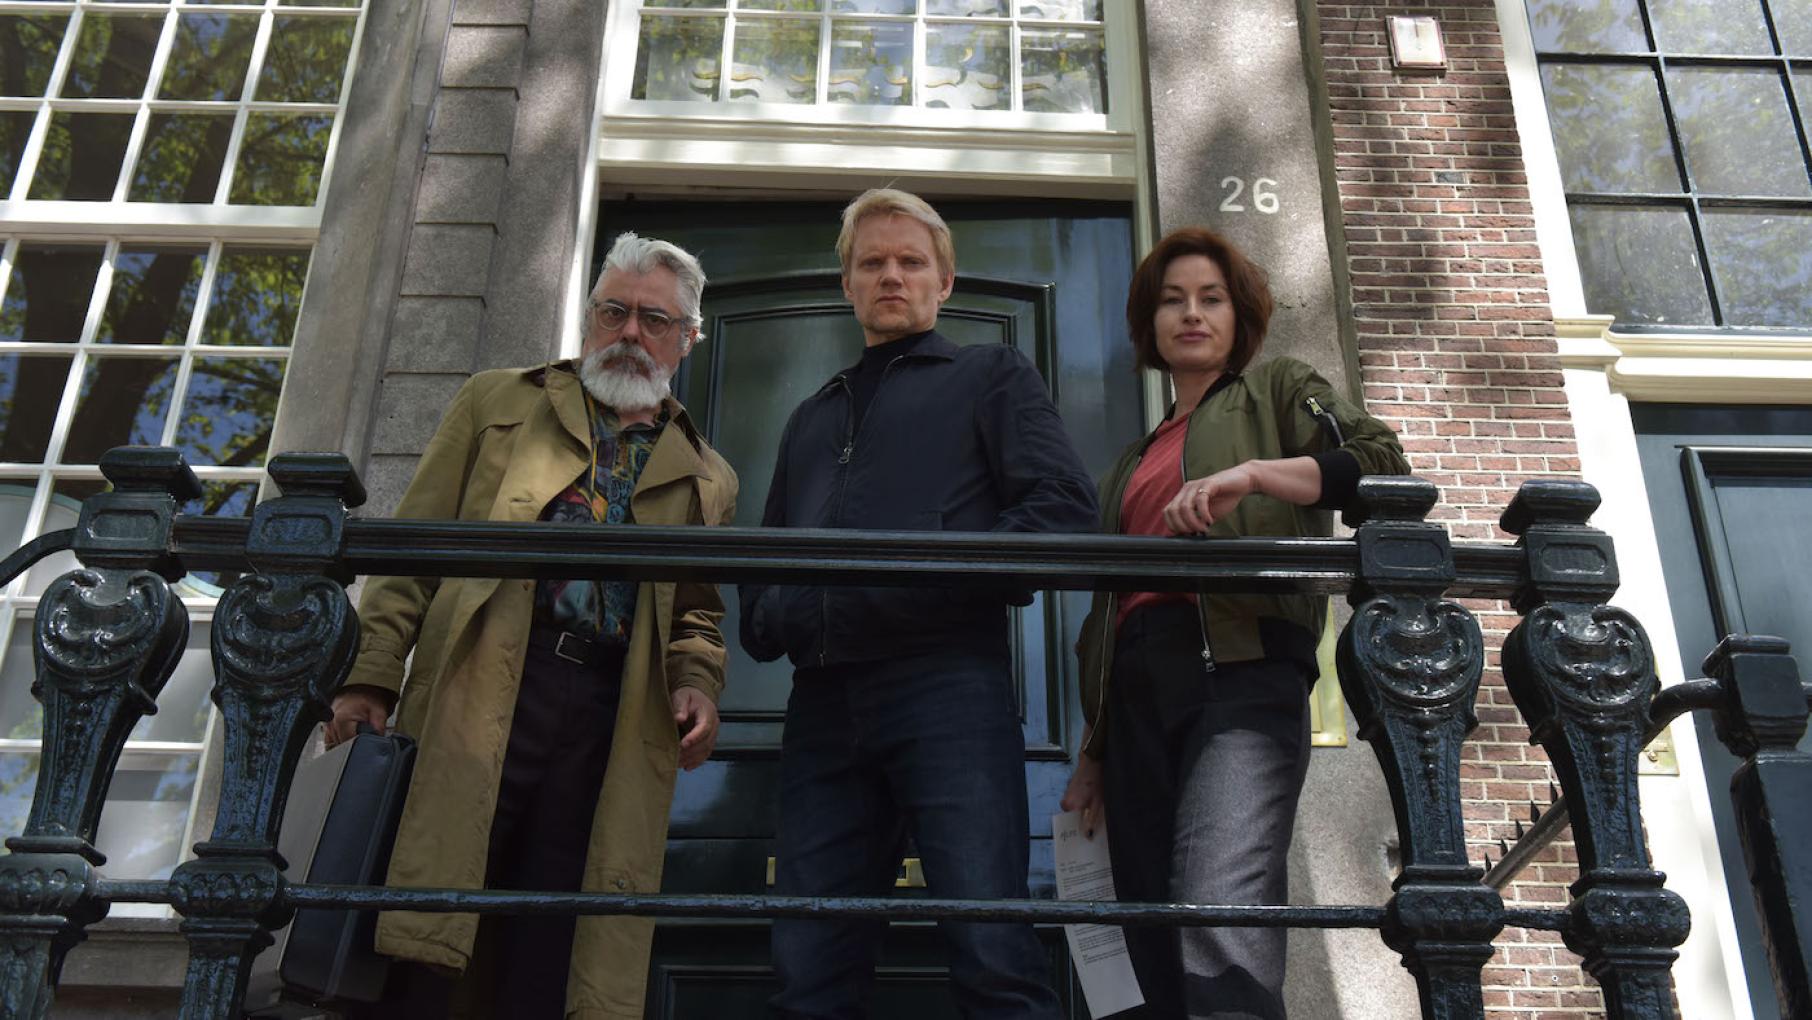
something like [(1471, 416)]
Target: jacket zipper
[(851, 432), (1201, 599)]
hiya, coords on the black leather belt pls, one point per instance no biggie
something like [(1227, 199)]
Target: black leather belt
[(575, 649)]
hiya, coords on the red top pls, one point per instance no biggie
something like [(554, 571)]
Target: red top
[(1155, 482)]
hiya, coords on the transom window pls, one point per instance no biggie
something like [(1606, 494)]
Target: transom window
[(1681, 138), (162, 167), (863, 58)]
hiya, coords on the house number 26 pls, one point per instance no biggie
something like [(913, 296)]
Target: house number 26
[(1264, 195)]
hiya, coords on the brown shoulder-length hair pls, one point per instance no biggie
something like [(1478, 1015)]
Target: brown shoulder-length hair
[(1246, 286)]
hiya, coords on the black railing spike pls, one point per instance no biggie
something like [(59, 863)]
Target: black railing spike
[(1553, 794), (1519, 829), (1503, 847), (1534, 813)]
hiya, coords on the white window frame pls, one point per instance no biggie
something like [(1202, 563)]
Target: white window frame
[(118, 223)]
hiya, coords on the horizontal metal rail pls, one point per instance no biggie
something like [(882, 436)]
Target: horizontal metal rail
[(1088, 562), (497, 901)]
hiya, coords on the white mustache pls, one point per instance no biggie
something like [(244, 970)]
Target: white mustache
[(623, 350)]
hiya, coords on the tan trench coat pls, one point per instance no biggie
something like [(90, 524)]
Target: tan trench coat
[(509, 443)]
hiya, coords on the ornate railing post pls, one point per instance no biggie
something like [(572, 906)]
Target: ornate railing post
[(1583, 676), (1410, 663), (283, 639), (1761, 718), (107, 637)]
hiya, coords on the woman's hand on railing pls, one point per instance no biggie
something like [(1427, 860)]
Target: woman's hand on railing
[(355, 705), (1084, 793)]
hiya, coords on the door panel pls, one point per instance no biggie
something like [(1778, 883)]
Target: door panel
[(1731, 490), (1049, 280)]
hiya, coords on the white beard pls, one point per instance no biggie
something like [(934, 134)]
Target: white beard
[(623, 377)]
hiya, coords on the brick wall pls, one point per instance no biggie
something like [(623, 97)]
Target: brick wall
[(1457, 352)]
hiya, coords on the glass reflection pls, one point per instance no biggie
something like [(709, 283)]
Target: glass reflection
[(1608, 128), (181, 159), (31, 386), (1762, 262), (81, 158), (775, 61), (28, 52), (775, 5), (256, 294), (1709, 26), (306, 61), (1061, 71), (280, 159), (21, 717), (968, 67), (967, 8), (122, 402), (1061, 10), (1737, 131), (1640, 265), (677, 59), (15, 129), (1606, 26), (871, 63), (227, 414), (153, 295), (874, 6), (209, 57), (147, 808), (47, 297), (112, 57)]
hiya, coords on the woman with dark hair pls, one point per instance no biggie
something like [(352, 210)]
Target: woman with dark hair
[(1198, 732)]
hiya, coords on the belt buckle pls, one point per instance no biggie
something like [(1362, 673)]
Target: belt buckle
[(560, 649)]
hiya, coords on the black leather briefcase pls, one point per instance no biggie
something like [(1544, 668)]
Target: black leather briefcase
[(338, 829)]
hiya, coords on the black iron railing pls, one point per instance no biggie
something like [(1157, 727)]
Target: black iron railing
[(107, 637)]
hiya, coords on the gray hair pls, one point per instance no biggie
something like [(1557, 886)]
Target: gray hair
[(640, 255)]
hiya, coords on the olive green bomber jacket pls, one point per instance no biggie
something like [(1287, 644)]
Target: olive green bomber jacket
[(1264, 414)]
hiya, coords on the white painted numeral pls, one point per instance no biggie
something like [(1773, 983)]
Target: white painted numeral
[(1264, 195)]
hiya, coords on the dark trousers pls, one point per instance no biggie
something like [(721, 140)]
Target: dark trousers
[(929, 747), (552, 771), (1203, 772)]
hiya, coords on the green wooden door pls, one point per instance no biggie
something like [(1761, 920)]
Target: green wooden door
[(1048, 279)]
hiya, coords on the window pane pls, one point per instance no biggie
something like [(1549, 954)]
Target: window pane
[(147, 808), (968, 67), (1606, 26), (227, 416), (66, 496), (1709, 26), (81, 158), (153, 295), (1640, 265), (256, 294), (1061, 10), (31, 386), (209, 57), (47, 298), (280, 159), (112, 56), (700, 4), (874, 6), (1608, 128), (1762, 262), (677, 59), (968, 8), (775, 61), (340, 3), (28, 50), (306, 61), (182, 158), (123, 402), (1793, 23), (15, 128), (1738, 134), (871, 63), (15, 506), (1061, 71), (771, 5)]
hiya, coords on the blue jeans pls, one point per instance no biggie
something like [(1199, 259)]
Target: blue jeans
[(928, 746)]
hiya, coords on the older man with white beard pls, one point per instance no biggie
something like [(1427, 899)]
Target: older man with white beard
[(551, 716)]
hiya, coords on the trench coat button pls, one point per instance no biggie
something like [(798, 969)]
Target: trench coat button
[(622, 884)]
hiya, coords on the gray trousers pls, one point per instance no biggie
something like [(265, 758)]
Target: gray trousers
[(1203, 772)]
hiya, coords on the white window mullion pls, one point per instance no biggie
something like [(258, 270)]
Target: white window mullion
[(230, 165), (9, 249), (141, 125), (824, 60)]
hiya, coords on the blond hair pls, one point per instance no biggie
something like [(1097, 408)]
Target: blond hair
[(891, 202)]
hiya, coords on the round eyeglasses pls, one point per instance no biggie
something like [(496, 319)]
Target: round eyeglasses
[(655, 324)]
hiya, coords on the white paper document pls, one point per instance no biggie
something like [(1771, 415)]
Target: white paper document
[(1097, 950)]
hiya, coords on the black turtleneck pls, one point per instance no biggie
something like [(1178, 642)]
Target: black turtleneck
[(865, 378)]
